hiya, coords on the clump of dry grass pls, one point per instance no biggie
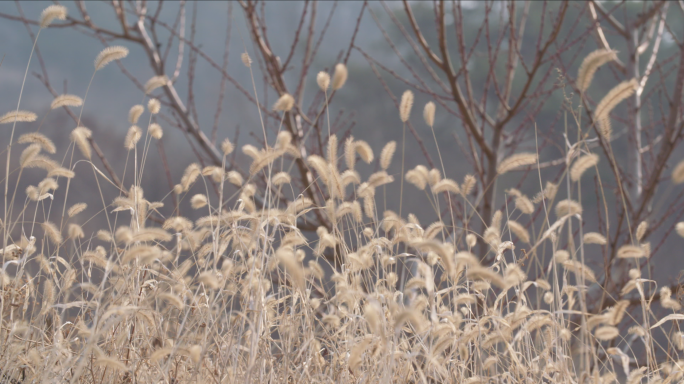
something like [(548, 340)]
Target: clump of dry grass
[(241, 294)]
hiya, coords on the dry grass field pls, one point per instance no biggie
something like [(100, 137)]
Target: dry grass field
[(254, 291)]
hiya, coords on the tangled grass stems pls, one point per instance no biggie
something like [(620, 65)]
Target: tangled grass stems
[(242, 294)]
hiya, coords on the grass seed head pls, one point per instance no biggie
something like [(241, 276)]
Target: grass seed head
[(323, 80), (284, 103), (66, 101), (429, 113), (52, 12), (339, 77), (18, 116), (405, 105), (110, 54)]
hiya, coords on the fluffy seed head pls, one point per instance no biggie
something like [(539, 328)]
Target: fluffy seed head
[(74, 231), (190, 175), (405, 105), (52, 232), (134, 134), (246, 60), (80, 136), (281, 178), (519, 231), (288, 260), (155, 130), (590, 64), (606, 333), (42, 162), (66, 101), (110, 363), (339, 77), (386, 154), (198, 201), (524, 205), (679, 227), (155, 82), (568, 207), (18, 116), (52, 12), (471, 240), (594, 238), (549, 193), (641, 230), (227, 147), (605, 128), (418, 177), (630, 251), (76, 209), (28, 154), (678, 173), (356, 353), (47, 184), (582, 164), (61, 172), (234, 178), (110, 54), (153, 106), (38, 138), (284, 103), (610, 101), (350, 153), (446, 185), (429, 113), (364, 150), (468, 184), (323, 80), (615, 96), (514, 161), (134, 113), (284, 138)]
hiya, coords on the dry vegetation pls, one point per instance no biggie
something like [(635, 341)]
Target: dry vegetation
[(244, 295)]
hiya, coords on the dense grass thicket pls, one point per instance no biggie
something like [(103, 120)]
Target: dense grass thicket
[(245, 294)]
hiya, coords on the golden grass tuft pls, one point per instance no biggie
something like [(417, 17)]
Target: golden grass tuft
[(38, 138), (515, 161), (246, 60), (619, 93), (429, 113), (581, 165), (678, 173), (274, 278), (155, 82), (66, 101), (110, 54), (339, 76), (134, 113), (323, 80), (18, 116), (590, 64), (80, 136), (132, 137), (52, 232), (386, 154), (51, 13), (405, 105), (154, 106), (284, 103), (155, 130), (76, 209)]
